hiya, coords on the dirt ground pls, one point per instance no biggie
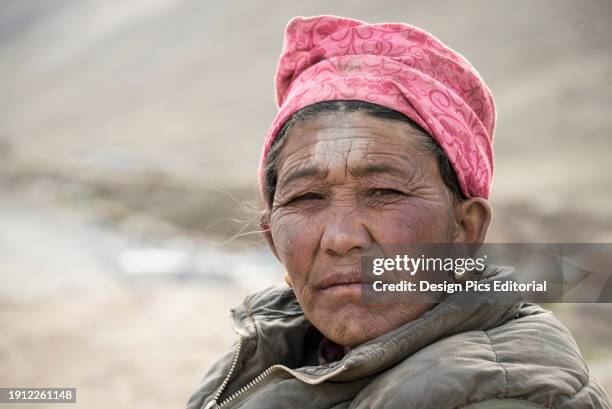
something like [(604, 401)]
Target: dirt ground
[(70, 318), (144, 346)]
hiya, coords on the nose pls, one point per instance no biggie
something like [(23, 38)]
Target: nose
[(345, 234)]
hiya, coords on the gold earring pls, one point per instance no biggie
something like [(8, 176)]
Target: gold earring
[(288, 280)]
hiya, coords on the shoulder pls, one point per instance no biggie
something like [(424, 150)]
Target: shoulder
[(273, 310), (532, 358), (277, 300)]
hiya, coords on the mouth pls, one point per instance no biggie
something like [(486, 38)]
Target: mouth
[(340, 281)]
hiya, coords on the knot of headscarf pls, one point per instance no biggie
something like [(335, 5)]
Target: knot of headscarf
[(400, 67)]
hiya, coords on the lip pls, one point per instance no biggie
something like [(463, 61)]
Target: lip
[(342, 279)]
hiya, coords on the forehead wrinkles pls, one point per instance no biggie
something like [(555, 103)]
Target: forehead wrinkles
[(354, 154), (328, 149), (339, 152), (345, 144)]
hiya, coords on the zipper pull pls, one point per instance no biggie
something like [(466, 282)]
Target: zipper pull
[(212, 405)]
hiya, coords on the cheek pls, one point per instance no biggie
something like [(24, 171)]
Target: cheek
[(411, 222), (296, 238)]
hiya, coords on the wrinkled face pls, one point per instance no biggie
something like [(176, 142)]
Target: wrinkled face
[(349, 183)]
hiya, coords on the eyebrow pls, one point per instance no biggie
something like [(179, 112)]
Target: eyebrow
[(375, 168), (306, 172), (360, 171)]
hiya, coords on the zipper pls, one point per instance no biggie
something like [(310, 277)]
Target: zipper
[(214, 404)]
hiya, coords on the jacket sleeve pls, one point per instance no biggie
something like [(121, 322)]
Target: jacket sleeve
[(504, 404)]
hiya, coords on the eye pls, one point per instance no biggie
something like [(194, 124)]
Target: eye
[(384, 192), (306, 197)]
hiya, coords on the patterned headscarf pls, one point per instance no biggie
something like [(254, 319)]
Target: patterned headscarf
[(400, 67)]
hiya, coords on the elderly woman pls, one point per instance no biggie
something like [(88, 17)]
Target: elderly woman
[(383, 135)]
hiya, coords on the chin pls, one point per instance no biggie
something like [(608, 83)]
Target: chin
[(351, 324)]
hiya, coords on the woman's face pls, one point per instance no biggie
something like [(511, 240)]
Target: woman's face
[(350, 183)]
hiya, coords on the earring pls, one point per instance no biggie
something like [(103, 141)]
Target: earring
[(288, 279), (458, 276)]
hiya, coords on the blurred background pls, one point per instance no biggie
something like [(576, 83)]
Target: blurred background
[(129, 139)]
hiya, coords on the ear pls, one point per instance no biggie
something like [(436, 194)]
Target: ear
[(264, 225), (472, 219)]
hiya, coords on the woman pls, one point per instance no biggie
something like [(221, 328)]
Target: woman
[(383, 136)]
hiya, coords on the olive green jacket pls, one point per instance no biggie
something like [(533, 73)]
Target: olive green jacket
[(477, 353)]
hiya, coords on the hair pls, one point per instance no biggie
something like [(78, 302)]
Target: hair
[(378, 111)]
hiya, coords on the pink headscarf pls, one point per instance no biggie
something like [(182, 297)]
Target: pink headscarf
[(397, 66)]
